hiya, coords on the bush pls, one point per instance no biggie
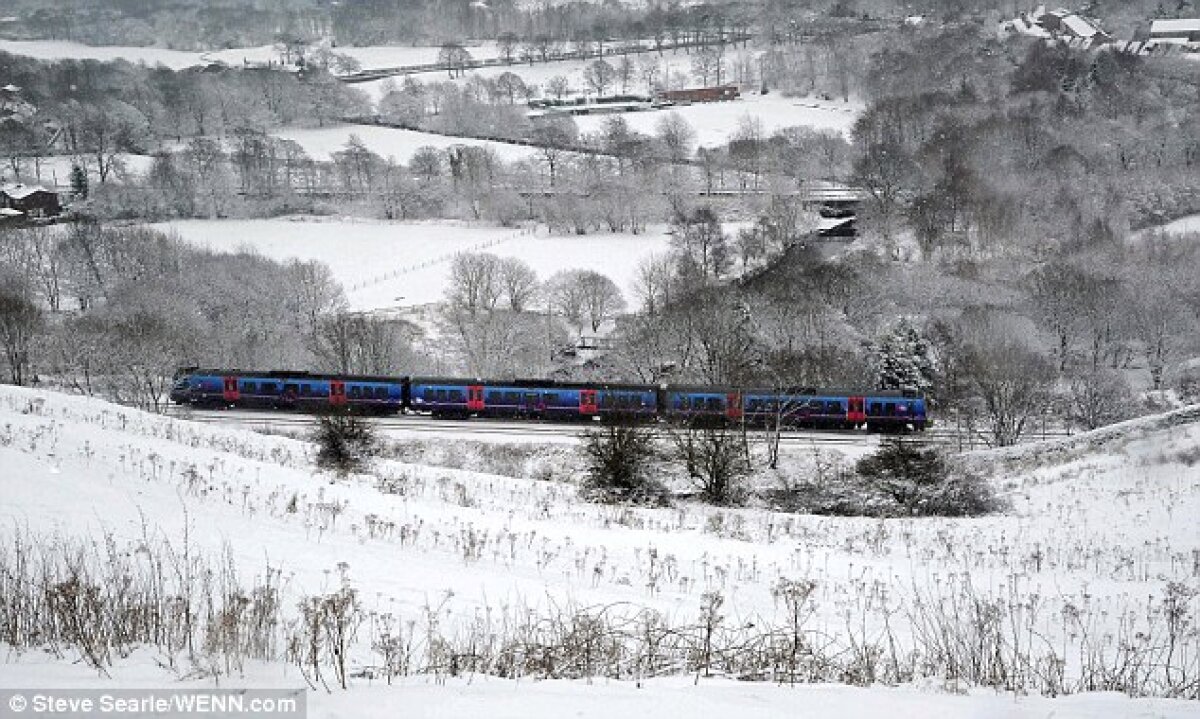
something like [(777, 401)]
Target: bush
[(345, 443), (618, 461), (716, 459), (919, 481)]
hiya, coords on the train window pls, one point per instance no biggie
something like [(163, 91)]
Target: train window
[(833, 408), (605, 401), (714, 404), (441, 395), (873, 409), (248, 387), (428, 394), (267, 388), (889, 409), (456, 395)]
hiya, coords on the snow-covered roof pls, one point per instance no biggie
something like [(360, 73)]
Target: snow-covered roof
[(20, 191), (1174, 27), (1079, 27)]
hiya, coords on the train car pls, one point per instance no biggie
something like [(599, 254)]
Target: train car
[(701, 405), (880, 411), (895, 411), (530, 399), (802, 408), (299, 391)]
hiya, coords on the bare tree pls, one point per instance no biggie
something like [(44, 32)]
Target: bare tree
[(715, 459), (426, 163), (507, 43), (1008, 383), (599, 76), (676, 136), (568, 297), (454, 58), (357, 343), (20, 322), (655, 282), (475, 282), (700, 243), (602, 298), (651, 70), (519, 283), (558, 86), (625, 72), (708, 62), (510, 85)]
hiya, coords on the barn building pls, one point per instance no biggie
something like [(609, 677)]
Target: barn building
[(719, 93), (30, 200), (1179, 32)]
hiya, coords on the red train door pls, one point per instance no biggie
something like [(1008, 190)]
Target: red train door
[(230, 389), (337, 393), (475, 398), (587, 401), (733, 405), (857, 413)]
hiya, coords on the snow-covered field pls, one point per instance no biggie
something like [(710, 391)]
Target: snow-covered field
[(401, 264), (715, 122), (1191, 223), (369, 57), (386, 142), (1097, 529)]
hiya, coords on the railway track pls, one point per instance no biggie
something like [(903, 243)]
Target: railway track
[(410, 425)]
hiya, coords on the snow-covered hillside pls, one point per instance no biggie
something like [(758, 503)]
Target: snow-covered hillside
[(1100, 550)]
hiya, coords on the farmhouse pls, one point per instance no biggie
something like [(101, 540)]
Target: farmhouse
[(1060, 24), (30, 200), (1175, 31)]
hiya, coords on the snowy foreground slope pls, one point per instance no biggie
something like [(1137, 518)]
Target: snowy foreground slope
[(1088, 583)]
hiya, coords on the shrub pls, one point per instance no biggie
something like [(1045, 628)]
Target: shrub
[(618, 461), (716, 460), (920, 481), (344, 443)]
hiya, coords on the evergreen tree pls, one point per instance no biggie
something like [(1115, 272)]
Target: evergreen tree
[(902, 359), (79, 182)]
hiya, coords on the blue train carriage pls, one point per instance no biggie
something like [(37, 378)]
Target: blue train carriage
[(808, 408), (530, 399), (288, 391), (701, 405), (895, 411), (879, 411)]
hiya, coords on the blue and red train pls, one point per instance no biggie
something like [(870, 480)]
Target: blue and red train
[(883, 411)]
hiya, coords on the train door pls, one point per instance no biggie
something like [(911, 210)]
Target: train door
[(856, 412), (337, 393), (475, 398), (733, 406), (229, 391), (587, 402)]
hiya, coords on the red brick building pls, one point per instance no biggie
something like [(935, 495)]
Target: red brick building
[(719, 93)]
